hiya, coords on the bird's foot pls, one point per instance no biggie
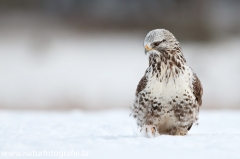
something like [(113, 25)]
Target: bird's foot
[(149, 130)]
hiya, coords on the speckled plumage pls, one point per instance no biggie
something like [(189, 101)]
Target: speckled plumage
[(169, 95)]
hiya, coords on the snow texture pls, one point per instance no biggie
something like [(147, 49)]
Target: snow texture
[(113, 134)]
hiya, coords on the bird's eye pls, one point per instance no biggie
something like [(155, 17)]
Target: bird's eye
[(156, 43)]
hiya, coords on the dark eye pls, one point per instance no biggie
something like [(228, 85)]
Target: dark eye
[(156, 43)]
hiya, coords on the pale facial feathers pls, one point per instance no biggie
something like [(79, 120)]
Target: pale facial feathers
[(160, 39)]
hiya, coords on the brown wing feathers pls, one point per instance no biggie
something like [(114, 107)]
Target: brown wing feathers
[(197, 89), (141, 85)]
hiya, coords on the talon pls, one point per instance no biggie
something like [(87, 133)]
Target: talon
[(153, 130)]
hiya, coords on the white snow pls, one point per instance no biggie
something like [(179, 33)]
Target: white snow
[(113, 134)]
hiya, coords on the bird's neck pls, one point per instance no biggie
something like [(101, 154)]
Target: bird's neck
[(167, 61)]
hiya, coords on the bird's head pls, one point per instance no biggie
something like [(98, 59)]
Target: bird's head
[(159, 40)]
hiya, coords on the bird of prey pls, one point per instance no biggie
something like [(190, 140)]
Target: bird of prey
[(169, 95)]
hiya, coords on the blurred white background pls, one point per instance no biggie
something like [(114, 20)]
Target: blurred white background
[(61, 55)]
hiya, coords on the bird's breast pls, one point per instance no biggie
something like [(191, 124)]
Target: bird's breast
[(170, 88)]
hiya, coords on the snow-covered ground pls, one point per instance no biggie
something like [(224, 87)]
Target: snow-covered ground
[(113, 134)]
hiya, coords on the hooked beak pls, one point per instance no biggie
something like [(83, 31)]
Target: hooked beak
[(147, 49)]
